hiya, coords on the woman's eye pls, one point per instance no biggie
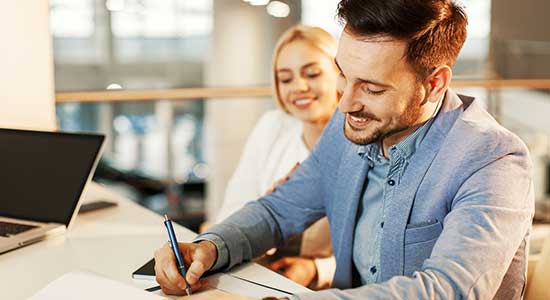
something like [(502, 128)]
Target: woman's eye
[(285, 80), (313, 74)]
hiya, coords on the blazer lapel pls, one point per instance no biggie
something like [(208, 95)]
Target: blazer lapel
[(397, 211), (351, 179)]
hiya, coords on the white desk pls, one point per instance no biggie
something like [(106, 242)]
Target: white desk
[(112, 242)]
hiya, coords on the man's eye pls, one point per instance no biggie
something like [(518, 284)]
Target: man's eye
[(373, 92)]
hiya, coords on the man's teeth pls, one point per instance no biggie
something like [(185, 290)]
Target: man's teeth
[(359, 120)]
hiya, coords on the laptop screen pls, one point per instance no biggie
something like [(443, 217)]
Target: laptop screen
[(42, 174)]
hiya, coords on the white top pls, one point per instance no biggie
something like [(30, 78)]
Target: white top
[(272, 149)]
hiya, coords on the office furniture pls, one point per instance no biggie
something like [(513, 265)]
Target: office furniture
[(111, 242)]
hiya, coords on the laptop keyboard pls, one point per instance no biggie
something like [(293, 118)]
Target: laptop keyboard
[(8, 229)]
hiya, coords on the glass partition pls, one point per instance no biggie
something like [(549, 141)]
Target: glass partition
[(156, 150)]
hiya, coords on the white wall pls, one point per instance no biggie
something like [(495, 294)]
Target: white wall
[(241, 48), (525, 112), (26, 65)]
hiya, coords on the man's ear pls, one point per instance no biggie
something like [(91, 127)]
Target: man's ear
[(438, 82)]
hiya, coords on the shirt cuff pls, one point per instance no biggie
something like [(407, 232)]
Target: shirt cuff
[(223, 254), (326, 267)]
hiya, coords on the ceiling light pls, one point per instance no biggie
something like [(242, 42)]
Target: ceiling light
[(259, 2), (114, 86), (278, 9), (115, 5)]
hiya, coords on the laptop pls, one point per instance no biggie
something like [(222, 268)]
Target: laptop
[(42, 176)]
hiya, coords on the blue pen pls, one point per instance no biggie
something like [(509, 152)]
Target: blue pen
[(175, 248)]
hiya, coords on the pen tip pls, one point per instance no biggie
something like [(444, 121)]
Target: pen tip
[(165, 218)]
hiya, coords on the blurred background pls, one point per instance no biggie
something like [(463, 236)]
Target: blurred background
[(177, 85)]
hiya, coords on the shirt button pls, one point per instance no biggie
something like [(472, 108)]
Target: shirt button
[(382, 225), (391, 182), (373, 269)]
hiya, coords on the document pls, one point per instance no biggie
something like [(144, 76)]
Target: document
[(233, 285), (89, 286), (249, 272)]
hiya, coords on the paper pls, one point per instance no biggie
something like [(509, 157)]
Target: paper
[(233, 285), (244, 280), (89, 286), (251, 271)]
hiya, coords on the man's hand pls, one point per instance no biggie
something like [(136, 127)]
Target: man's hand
[(198, 258), (299, 269)]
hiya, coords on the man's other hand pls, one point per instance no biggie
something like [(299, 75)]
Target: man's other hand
[(299, 269)]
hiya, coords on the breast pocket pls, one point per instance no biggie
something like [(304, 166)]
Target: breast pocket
[(419, 242)]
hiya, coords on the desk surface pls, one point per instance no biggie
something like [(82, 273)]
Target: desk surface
[(112, 242)]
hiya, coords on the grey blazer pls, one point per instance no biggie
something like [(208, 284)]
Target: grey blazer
[(457, 228)]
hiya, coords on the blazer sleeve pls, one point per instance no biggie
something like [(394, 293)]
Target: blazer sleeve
[(274, 218), (489, 219)]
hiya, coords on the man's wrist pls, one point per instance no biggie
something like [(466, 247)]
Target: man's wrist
[(222, 254), (211, 250)]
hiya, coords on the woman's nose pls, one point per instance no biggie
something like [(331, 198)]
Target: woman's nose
[(301, 85)]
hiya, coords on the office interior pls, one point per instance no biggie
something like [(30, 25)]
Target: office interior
[(176, 86)]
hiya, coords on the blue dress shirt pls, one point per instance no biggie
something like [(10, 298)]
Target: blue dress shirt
[(383, 176)]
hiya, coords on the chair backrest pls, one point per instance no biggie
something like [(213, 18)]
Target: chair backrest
[(539, 287)]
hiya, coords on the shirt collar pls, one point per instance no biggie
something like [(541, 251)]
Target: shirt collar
[(408, 146), (371, 152)]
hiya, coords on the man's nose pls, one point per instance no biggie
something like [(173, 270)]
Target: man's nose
[(348, 102)]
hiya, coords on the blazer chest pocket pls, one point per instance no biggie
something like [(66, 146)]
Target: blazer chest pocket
[(419, 242)]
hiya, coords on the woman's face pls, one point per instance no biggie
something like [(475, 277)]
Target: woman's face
[(307, 82)]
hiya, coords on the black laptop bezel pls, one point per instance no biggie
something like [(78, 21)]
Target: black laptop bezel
[(91, 167)]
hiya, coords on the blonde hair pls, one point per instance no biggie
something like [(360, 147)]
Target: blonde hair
[(315, 36)]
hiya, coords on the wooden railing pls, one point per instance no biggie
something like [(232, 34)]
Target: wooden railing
[(250, 92)]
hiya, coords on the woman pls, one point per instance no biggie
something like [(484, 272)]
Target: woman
[(304, 76)]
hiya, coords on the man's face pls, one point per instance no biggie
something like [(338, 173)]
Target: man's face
[(381, 95)]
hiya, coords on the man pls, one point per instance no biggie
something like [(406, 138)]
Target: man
[(426, 195)]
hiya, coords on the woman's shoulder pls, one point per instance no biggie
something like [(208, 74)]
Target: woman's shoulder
[(274, 127), (277, 120)]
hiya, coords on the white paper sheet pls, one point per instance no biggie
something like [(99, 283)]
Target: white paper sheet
[(251, 271), (233, 285), (89, 286)]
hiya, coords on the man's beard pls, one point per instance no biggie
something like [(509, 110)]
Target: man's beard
[(378, 131)]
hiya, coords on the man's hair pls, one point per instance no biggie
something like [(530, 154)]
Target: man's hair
[(434, 30)]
